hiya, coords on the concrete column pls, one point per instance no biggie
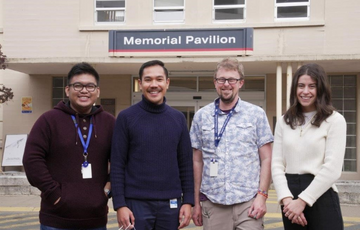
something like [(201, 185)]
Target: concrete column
[(288, 84), (299, 65), (278, 91)]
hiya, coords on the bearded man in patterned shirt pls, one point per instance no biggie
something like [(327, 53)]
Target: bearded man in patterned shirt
[(231, 142)]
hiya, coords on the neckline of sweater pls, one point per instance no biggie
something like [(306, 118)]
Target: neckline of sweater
[(151, 107)]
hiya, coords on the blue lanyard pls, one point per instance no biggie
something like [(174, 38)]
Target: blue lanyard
[(85, 145), (216, 130)]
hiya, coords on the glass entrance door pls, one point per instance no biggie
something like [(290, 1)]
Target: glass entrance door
[(188, 108), (188, 112)]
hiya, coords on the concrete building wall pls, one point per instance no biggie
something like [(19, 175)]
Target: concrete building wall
[(50, 28), (53, 35)]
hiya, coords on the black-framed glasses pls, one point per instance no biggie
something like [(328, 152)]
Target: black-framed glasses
[(231, 81), (78, 86)]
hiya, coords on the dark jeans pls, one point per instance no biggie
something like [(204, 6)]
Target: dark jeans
[(43, 227), (154, 214), (325, 214)]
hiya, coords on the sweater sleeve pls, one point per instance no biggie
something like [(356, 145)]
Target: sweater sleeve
[(278, 164), (186, 166), (330, 171), (119, 149), (34, 161)]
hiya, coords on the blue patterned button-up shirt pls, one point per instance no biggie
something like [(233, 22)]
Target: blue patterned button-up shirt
[(237, 154)]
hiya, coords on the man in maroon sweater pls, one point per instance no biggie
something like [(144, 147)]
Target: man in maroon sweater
[(67, 155)]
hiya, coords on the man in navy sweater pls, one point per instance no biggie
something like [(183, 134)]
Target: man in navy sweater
[(151, 159)]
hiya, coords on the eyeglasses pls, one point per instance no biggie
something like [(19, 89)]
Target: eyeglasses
[(89, 87), (231, 81)]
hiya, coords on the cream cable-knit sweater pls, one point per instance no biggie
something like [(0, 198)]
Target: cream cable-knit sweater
[(319, 151)]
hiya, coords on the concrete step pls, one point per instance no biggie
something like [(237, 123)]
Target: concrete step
[(15, 183), (349, 191)]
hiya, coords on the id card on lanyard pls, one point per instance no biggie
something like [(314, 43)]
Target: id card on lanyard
[(214, 164), (85, 166)]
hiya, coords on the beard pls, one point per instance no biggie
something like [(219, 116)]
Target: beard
[(227, 100)]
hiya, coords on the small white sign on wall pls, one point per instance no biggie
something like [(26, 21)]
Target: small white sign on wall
[(14, 150)]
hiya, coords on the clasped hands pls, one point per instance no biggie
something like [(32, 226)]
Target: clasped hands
[(293, 210)]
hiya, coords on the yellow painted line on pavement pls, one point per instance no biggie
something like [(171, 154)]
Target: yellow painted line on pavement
[(19, 225), (273, 215), (19, 215), (17, 220), (273, 225), (351, 219), (19, 209)]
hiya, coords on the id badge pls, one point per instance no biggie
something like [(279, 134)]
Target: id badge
[(173, 203), (214, 167), (86, 171)]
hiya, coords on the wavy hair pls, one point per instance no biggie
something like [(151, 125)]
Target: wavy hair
[(294, 115), (230, 64)]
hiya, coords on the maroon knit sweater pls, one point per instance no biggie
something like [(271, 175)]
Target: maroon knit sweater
[(52, 162)]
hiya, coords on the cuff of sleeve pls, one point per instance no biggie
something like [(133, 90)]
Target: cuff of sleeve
[(118, 202), (281, 196), (308, 200), (188, 198)]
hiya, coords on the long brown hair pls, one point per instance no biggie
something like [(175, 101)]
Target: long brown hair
[(294, 115)]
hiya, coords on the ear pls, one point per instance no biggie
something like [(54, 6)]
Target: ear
[(167, 83), (67, 88), (241, 83), (98, 92), (139, 82)]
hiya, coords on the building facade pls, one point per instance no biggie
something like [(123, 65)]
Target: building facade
[(43, 39)]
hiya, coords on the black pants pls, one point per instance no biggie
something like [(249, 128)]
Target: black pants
[(325, 214)]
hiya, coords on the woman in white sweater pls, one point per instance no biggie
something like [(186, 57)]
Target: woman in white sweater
[(308, 154)]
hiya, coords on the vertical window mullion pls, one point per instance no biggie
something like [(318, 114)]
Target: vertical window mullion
[(350, 115)]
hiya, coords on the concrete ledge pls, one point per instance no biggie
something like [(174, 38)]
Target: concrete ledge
[(16, 183), (349, 191)]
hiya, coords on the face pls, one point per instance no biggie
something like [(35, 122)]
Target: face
[(306, 93), (226, 91), (154, 84), (83, 100)]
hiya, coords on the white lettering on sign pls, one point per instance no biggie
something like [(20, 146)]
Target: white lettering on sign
[(168, 40), (152, 41), (212, 39)]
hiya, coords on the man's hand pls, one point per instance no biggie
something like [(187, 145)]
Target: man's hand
[(57, 201), (125, 217), (258, 207), (184, 215), (197, 215)]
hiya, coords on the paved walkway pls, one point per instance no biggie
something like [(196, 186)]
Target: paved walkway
[(21, 213)]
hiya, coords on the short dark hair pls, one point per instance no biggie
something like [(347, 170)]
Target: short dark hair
[(153, 63), (81, 68), (294, 115)]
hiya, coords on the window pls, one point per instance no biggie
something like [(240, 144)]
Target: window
[(225, 10), (169, 11), (343, 89), (254, 83), (58, 93), (109, 11), (292, 9)]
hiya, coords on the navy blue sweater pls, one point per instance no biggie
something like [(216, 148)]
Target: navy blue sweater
[(151, 155)]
